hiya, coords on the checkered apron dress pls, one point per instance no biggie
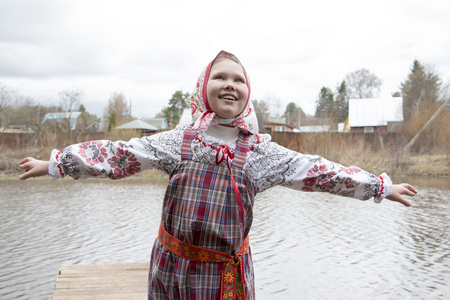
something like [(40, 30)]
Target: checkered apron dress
[(200, 209)]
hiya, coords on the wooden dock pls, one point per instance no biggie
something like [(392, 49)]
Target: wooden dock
[(102, 281)]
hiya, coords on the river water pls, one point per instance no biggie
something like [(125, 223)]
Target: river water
[(304, 245)]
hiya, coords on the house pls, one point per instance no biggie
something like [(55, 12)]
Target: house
[(159, 123), (61, 117), (315, 128), (374, 114), (277, 126), (16, 129), (139, 125), (312, 124)]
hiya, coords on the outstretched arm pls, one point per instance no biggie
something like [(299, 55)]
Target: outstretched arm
[(33, 168), (398, 190)]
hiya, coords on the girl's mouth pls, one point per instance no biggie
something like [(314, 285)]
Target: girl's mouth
[(228, 97)]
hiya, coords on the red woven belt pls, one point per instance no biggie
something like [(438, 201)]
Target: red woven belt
[(232, 280)]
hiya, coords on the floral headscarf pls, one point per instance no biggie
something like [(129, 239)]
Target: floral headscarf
[(201, 112)]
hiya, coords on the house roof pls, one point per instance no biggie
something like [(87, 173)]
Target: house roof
[(276, 123), (59, 116), (137, 124), (159, 123), (374, 111)]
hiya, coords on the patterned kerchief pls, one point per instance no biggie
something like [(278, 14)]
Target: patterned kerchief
[(202, 114)]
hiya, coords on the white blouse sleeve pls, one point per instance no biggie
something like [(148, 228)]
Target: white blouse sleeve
[(271, 164), (119, 159)]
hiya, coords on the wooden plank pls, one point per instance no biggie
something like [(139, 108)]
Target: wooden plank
[(102, 281)]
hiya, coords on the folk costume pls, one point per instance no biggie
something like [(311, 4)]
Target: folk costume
[(202, 250)]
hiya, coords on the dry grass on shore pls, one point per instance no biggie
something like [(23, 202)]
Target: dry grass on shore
[(373, 153), (419, 165)]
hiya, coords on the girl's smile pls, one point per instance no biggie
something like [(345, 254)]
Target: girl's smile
[(227, 89)]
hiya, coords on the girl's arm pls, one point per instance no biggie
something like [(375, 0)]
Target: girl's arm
[(110, 159), (271, 164)]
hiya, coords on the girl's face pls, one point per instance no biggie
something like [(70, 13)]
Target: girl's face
[(227, 90)]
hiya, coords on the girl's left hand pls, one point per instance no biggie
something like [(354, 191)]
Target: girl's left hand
[(33, 168), (398, 190)]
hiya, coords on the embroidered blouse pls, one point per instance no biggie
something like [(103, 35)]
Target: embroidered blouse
[(268, 163)]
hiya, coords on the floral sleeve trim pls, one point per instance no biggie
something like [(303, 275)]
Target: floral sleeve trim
[(385, 188), (381, 187), (55, 165), (252, 147)]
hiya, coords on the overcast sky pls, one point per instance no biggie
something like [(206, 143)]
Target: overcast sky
[(149, 49)]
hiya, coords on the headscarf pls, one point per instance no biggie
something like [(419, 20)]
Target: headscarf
[(201, 112)]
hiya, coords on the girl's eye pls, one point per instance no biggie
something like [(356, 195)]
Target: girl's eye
[(239, 80), (219, 77)]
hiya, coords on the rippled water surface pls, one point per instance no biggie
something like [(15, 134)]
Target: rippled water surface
[(304, 245)]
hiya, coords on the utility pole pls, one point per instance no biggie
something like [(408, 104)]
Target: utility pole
[(130, 107)]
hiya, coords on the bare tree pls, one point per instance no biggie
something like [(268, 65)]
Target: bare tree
[(6, 95), (262, 111), (118, 111), (362, 84), (22, 111), (69, 99)]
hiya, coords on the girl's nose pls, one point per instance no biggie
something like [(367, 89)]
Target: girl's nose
[(229, 85)]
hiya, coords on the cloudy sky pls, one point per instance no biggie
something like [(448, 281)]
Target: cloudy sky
[(149, 49)]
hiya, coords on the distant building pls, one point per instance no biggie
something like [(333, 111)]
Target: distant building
[(138, 125), (59, 118), (16, 129), (312, 124), (374, 115), (315, 128), (277, 126), (159, 123)]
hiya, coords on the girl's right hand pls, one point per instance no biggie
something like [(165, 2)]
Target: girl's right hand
[(33, 168), (398, 190)]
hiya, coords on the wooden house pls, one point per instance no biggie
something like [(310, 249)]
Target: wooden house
[(275, 126)]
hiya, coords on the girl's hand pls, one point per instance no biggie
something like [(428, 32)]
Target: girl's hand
[(402, 189), (33, 168)]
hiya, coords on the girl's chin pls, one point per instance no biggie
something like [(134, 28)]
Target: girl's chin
[(226, 116), (227, 125)]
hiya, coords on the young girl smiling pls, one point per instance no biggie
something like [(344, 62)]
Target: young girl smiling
[(217, 165)]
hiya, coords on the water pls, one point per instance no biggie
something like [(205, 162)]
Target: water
[(304, 245)]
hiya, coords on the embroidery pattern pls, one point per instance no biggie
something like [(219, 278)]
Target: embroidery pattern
[(267, 163)]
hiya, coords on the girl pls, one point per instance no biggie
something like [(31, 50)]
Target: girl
[(217, 165)]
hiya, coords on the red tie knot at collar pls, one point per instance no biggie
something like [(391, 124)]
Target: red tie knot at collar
[(224, 153)]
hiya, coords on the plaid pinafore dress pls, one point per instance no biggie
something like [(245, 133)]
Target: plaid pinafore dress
[(200, 209)]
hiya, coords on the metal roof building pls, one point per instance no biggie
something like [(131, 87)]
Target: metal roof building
[(60, 116), (374, 114)]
